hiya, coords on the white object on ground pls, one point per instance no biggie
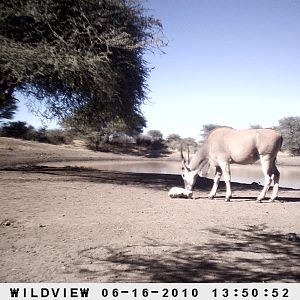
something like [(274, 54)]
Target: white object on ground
[(176, 192)]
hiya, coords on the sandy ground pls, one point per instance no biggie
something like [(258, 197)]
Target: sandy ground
[(68, 224)]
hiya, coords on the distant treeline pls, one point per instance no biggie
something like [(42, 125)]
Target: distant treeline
[(153, 139)]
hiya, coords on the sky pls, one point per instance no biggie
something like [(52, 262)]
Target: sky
[(228, 62)]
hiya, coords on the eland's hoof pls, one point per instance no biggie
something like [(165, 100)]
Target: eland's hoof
[(260, 199), (227, 199)]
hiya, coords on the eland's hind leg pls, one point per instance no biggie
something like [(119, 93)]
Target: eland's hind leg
[(227, 179), (267, 168), (217, 177)]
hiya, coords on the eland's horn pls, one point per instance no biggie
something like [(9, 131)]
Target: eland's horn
[(183, 158), (181, 153)]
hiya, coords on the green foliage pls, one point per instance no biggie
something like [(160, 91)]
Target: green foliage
[(80, 57), (290, 129), (8, 106)]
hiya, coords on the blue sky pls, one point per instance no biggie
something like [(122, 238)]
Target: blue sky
[(228, 62)]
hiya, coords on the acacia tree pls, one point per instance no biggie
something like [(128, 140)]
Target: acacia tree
[(79, 58), (8, 106)]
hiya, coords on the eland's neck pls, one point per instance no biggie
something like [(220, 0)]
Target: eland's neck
[(198, 158)]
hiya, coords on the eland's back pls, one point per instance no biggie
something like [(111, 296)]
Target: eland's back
[(242, 146)]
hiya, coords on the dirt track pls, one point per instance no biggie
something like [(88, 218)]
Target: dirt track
[(64, 224)]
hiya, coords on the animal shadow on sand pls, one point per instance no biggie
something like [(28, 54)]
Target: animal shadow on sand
[(146, 180), (252, 254)]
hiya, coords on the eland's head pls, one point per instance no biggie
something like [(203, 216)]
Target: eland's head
[(188, 175)]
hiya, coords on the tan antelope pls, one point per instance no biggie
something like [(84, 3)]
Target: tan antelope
[(225, 146)]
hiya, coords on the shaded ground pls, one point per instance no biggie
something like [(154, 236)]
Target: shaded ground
[(64, 224)]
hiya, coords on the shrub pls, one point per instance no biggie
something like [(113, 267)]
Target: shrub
[(58, 136), (143, 140), (290, 128), (94, 140), (120, 138), (155, 135), (18, 130), (174, 141), (22, 130)]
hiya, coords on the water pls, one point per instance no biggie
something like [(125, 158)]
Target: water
[(290, 175)]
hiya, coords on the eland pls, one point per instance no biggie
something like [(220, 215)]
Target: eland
[(225, 146)]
